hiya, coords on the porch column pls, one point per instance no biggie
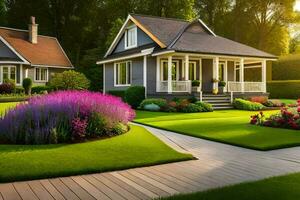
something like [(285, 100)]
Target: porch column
[(264, 75), (187, 64), (242, 75), (215, 72), (226, 75), (169, 74), (158, 79)]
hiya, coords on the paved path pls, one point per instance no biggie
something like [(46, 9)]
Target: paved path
[(217, 165)]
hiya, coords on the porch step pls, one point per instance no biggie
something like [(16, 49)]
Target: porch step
[(219, 102)]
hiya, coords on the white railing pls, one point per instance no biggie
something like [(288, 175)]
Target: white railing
[(177, 86), (246, 86)]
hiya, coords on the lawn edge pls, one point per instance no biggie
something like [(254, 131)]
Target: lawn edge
[(225, 142)]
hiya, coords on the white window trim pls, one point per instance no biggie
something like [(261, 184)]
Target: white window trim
[(47, 75), (125, 38), (9, 72), (115, 74), (194, 66), (162, 61)]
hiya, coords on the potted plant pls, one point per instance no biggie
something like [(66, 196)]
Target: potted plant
[(196, 86), (221, 85), (215, 90)]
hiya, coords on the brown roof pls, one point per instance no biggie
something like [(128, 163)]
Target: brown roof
[(46, 52)]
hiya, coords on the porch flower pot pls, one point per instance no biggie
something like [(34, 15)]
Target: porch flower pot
[(221, 90), (215, 91), (196, 89)]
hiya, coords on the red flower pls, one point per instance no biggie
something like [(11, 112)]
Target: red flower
[(298, 110)]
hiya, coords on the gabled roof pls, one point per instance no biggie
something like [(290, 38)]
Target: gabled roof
[(175, 34), (46, 52)]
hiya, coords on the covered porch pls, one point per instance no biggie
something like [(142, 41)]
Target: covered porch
[(176, 71)]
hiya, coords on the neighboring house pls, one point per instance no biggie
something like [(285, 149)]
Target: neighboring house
[(165, 55), (24, 53)]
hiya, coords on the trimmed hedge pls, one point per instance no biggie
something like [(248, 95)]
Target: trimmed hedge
[(242, 104), (41, 89), (284, 89), (134, 95), (287, 68), (117, 93)]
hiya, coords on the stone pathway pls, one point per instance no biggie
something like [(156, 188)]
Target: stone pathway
[(217, 165)]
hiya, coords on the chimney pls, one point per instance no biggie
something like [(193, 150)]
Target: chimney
[(33, 31)]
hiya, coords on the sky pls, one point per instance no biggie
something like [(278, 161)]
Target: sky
[(297, 5)]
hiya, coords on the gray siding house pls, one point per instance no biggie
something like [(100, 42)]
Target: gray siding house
[(25, 54), (165, 55)]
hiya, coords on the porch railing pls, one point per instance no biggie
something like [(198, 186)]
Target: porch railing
[(177, 86), (245, 86)]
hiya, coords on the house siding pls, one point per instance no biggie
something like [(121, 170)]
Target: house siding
[(207, 72), (136, 75), (142, 39), (151, 75)]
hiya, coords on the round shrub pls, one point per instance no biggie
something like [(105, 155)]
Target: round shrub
[(64, 116), (160, 102), (247, 105), (205, 107), (70, 80), (27, 84), (134, 95), (152, 107)]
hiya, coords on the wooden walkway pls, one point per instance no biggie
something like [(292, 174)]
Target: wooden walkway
[(217, 165)]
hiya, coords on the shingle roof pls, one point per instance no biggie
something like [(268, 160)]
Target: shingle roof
[(204, 43), (46, 52), (173, 33)]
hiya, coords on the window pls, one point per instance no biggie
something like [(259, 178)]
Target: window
[(41, 74), (9, 73), (164, 70), (123, 73), (131, 37)]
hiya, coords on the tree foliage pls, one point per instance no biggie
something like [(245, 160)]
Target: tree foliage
[(70, 80)]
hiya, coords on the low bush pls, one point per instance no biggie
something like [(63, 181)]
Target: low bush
[(19, 90), (274, 103), (259, 99), (160, 102), (65, 116), (206, 107), (70, 80), (152, 107), (41, 89), (242, 104), (134, 95), (191, 108), (195, 83), (284, 89), (6, 88), (118, 93)]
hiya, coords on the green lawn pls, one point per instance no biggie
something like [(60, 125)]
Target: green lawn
[(277, 188), (228, 126), (289, 101), (5, 106), (136, 148)]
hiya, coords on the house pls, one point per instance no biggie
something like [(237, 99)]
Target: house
[(25, 54), (165, 55)]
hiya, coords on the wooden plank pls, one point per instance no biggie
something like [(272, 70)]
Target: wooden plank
[(25, 191), (76, 188), (125, 186), (103, 188), (145, 184), (8, 192), (115, 187), (63, 189), (51, 189), (39, 190), (136, 186)]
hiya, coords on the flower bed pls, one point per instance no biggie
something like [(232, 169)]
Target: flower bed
[(65, 116), (287, 118)]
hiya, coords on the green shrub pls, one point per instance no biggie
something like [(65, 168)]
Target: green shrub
[(193, 99), (247, 105), (191, 108), (70, 80), (40, 89), (152, 107), (134, 95), (117, 93), (27, 84), (12, 83), (97, 124), (206, 107), (19, 90), (284, 89), (195, 83), (160, 102), (119, 129), (286, 68)]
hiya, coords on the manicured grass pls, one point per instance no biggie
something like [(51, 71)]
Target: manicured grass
[(136, 148), (6, 106), (289, 101), (277, 188), (228, 126)]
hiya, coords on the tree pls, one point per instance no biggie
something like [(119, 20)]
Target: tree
[(70, 80)]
